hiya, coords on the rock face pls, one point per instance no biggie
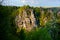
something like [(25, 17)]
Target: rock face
[(58, 14), (26, 19), (45, 17)]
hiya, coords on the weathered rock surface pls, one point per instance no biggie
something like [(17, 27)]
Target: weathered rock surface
[(26, 19)]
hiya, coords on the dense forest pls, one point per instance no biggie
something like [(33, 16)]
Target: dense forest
[(44, 23)]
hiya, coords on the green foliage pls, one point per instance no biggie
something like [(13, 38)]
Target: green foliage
[(39, 34), (37, 15), (22, 34), (8, 27)]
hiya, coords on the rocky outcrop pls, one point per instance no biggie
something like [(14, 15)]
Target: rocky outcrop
[(26, 19), (46, 17)]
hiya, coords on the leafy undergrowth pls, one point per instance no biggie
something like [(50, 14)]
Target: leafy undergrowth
[(38, 34)]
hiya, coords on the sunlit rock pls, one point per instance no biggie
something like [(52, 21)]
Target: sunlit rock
[(26, 19)]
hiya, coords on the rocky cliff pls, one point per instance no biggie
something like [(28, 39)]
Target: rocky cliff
[(25, 19), (29, 18)]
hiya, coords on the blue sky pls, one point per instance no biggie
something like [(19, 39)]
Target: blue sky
[(47, 3)]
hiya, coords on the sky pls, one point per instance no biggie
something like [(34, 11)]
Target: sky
[(43, 3)]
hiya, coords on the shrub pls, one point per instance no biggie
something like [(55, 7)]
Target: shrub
[(39, 34)]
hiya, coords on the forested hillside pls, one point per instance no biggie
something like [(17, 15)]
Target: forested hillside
[(29, 23)]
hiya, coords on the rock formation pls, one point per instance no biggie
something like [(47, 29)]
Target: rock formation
[(26, 19)]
